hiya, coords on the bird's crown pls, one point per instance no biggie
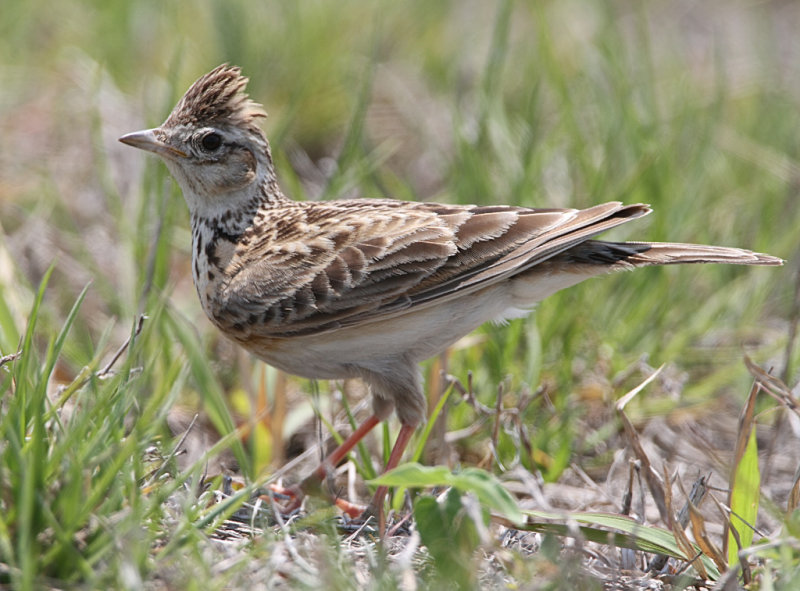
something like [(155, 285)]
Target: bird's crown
[(218, 98)]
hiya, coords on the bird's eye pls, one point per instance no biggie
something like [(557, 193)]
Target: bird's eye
[(211, 141)]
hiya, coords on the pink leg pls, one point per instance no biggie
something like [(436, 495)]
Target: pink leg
[(348, 444), (314, 481), (406, 431)]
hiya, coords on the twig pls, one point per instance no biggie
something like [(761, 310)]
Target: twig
[(396, 527), (10, 357), (696, 495), (654, 483), (773, 386), (176, 448), (107, 369), (498, 409)]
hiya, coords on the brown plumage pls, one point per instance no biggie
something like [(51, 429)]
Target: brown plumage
[(368, 288)]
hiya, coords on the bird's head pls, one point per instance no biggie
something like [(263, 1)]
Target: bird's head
[(212, 144)]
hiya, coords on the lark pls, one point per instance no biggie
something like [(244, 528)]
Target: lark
[(368, 288)]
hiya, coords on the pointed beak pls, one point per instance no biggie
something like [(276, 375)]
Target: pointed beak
[(149, 139)]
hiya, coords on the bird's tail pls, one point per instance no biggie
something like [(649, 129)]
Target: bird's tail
[(643, 254)]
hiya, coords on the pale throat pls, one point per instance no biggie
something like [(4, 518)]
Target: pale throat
[(232, 213)]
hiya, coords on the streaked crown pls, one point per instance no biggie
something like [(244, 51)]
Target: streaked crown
[(218, 99)]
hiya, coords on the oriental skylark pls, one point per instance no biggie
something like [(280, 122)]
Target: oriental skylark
[(368, 288)]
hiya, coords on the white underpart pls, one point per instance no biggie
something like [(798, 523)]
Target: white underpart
[(420, 334)]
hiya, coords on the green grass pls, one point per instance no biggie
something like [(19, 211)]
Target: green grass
[(536, 104)]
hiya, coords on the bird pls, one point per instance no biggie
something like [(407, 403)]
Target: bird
[(368, 288)]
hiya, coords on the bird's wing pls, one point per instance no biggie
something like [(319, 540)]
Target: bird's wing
[(323, 266)]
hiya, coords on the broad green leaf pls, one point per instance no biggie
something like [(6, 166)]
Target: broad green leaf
[(415, 475), (489, 490), (744, 498)]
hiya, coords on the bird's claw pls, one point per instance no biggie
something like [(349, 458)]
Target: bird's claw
[(286, 500)]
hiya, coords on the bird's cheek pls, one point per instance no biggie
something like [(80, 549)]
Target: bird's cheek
[(240, 171)]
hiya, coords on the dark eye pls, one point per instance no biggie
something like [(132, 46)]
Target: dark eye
[(211, 141)]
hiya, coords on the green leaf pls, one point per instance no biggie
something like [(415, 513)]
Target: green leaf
[(490, 492), (613, 529), (744, 498), (416, 475), (484, 485), (451, 535)]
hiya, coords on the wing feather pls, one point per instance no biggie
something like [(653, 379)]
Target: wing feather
[(348, 262)]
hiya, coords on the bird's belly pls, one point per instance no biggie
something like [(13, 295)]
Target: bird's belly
[(306, 356), (377, 346)]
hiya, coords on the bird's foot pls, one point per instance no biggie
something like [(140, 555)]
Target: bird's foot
[(286, 500), (353, 511), (356, 518)]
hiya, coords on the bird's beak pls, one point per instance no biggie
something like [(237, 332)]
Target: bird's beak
[(149, 139)]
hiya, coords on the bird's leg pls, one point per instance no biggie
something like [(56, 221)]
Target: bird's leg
[(406, 431), (375, 506), (338, 454), (313, 482)]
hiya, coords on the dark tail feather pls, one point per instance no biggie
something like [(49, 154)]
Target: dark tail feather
[(643, 254)]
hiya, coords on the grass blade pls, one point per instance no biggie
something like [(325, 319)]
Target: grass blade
[(745, 484)]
